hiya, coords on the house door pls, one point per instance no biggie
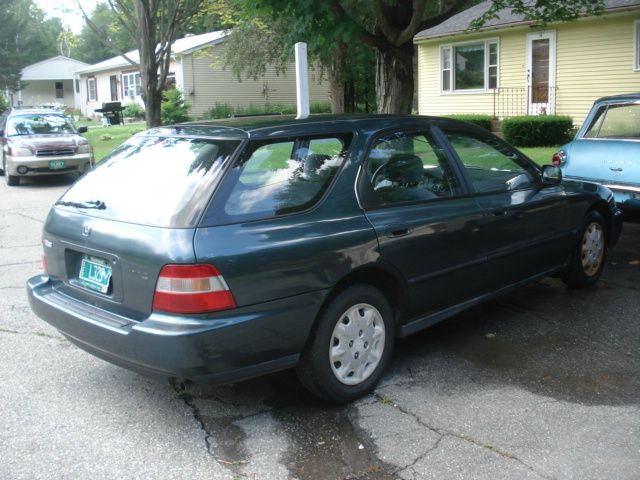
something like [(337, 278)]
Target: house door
[(113, 82), (541, 73)]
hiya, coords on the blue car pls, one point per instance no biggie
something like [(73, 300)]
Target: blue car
[(606, 149)]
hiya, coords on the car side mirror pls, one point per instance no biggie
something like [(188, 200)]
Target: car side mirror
[(551, 175), (83, 129), (1, 132)]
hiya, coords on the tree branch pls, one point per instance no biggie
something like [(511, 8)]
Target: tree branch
[(367, 37), (454, 9)]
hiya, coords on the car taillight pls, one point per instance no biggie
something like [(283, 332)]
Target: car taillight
[(559, 158), (191, 289)]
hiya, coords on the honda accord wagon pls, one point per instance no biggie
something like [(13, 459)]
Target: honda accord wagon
[(217, 252)]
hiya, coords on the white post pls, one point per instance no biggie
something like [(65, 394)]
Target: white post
[(302, 80)]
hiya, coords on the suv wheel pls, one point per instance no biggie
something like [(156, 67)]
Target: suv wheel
[(350, 346), (587, 260), (12, 180)]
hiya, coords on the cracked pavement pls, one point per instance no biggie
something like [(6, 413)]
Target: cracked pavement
[(543, 383)]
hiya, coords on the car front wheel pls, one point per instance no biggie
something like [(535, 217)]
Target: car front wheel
[(588, 258), (350, 346), (12, 180)]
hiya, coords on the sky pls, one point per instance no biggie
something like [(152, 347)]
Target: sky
[(68, 11)]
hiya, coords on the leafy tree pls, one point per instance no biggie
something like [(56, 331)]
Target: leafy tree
[(154, 25), (25, 38), (105, 39), (259, 40), (388, 27)]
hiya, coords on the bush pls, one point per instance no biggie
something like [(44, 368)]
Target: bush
[(483, 121), (224, 110), (173, 108), (134, 110), (3, 103), (537, 130)]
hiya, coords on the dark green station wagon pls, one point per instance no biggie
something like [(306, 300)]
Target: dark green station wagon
[(213, 253)]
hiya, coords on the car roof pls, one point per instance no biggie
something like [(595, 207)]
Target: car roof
[(32, 110), (626, 97), (277, 125)]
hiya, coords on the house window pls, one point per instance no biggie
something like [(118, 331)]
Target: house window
[(470, 66), (130, 84), (77, 84), (91, 89), (636, 45), (59, 90)]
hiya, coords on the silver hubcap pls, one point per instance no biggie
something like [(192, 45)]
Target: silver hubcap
[(357, 344), (592, 249)]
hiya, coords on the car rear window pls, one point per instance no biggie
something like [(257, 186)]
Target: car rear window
[(160, 181), (278, 177), (616, 121)]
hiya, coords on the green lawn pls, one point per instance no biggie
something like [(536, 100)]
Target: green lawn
[(106, 139), (540, 155)]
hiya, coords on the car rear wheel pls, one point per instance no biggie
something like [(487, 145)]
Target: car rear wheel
[(588, 258), (350, 346)]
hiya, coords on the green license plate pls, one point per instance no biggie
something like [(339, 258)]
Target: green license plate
[(95, 273), (57, 164)]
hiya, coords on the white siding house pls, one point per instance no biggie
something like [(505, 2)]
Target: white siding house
[(51, 81), (196, 69)]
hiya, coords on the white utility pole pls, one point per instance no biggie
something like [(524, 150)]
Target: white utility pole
[(302, 80)]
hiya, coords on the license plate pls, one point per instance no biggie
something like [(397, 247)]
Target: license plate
[(95, 273), (57, 164)]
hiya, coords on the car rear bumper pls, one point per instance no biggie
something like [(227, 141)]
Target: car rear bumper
[(227, 347)]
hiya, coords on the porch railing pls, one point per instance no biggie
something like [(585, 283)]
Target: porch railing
[(513, 102)]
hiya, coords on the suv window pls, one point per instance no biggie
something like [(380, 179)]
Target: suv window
[(277, 178), (616, 121), (409, 167), (490, 164), (38, 123)]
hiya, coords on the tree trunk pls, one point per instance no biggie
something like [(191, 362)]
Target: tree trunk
[(335, 73), (394, 79)]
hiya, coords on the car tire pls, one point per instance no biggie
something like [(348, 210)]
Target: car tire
[(350, 345), (588, 257), (12, 180)]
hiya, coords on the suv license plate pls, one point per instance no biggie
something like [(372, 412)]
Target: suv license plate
[(57, 164), (95, 273)]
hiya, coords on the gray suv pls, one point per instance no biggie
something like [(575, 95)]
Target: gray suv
[(41, 141)]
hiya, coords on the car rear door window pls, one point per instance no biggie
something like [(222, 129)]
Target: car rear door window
[(277, 178), (491, 165), (408, 167), (616, 121)]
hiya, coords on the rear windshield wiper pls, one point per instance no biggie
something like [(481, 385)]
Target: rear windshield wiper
[(96, 204)]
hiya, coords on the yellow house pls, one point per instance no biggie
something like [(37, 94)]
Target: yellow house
[(508, 68)]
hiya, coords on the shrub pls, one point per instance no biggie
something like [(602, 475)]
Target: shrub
[(3, 103), (133, 109), (224, 110), (537, 130), (173, 108), (483, 121)]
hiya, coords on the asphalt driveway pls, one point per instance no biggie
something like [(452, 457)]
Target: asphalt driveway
[(540, 384)]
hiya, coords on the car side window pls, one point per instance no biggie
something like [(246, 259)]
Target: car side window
[(489, 164), (408, 167), (279, 177), (616, 121)]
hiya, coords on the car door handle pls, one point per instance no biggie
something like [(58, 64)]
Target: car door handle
[(499, 213), (398, 231)]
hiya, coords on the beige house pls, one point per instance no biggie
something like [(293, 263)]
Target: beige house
[(50, 82), (197, 70), (509, 68)]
